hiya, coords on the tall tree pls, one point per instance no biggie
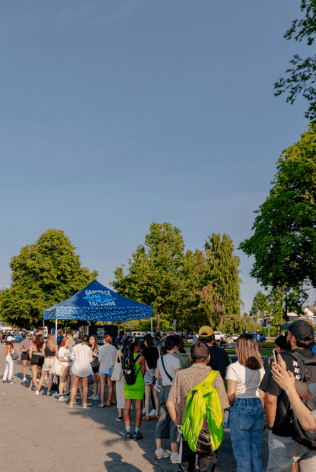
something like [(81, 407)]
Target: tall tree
[(302, 75), (220, 275), (284, 242), (160, 274), (43, 274), (259, 304)]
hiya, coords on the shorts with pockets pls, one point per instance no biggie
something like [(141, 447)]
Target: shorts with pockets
[(37, 360)]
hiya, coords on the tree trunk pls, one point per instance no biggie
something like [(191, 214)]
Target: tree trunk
[(158, 322)]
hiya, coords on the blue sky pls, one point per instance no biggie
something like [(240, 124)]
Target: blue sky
[(115, 114)]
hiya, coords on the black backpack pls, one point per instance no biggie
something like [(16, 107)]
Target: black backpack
[(308, 375), (129, 368)]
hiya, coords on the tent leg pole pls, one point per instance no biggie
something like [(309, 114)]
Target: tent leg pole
[(56, 330), (151, 324), (124, 332)]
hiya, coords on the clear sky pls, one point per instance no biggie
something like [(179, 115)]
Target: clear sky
[(117, 113)]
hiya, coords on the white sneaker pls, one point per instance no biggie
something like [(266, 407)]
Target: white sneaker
[(36, 392), (144, 411), (97, 397), (24, 380), (48, 394), (152, 413), (92, 397), (161, 454), (56, 394), (63, 399), (174, 458)]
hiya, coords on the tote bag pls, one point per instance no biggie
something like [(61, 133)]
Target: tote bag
[(117, 371), (58, 368)]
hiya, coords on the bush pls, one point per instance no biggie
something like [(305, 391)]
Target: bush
[(259, 328), (265, 331), (273, 331)]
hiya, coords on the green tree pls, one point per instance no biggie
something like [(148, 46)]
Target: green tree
[(220, 275), (276, 306), (284, 242), (43, 274), (259, 304), (236, 324), (302, 75), (160, 274)]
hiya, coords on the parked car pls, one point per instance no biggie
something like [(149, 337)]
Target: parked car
[(262, 337), (218, 335)]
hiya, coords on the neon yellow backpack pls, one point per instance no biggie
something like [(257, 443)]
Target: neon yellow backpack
[(203, 421)]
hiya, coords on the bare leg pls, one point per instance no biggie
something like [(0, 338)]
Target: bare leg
[(119, 410), (50, 383), (102, 389), (138, 406), (43, 376), (61, 387), (74, 388), (24, 366), (113, 397), (147, 398), (95, 383), (34, 376), (156, 398), (85, 390), (80, 388), (67, 384), (109, 384), (174, 447), (127, 410), (295, 467)]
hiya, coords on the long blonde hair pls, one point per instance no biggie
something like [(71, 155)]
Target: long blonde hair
[(51, 342)]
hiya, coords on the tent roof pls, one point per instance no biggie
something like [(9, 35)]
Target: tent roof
[(95, 302)]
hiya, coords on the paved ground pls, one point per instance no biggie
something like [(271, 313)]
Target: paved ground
[(39, 431)]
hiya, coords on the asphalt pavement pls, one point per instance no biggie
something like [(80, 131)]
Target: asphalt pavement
[(40, 432)]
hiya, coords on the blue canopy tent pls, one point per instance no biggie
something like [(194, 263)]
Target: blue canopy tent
[(95, 302)]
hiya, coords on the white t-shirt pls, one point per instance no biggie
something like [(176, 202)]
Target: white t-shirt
[(248, 380), (65, 353), (171, 363), (106, 357)]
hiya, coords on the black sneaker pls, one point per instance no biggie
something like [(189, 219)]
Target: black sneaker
[(138, 436), (128, 436), (119, 418)]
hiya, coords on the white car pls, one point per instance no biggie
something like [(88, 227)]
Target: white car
[(218, 335)]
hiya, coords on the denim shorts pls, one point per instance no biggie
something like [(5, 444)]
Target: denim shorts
[(102, 374), (148, 378)]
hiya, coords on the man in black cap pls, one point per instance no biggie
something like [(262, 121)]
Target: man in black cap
[(283, 450)]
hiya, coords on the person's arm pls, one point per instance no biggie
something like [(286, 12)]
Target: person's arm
[(286, 380), (177, 370), (302, 390), (157, 373), (270, 407), (262, 396), (148, 369), (31, 351), (171, 406), (22, 350), (141, 361), (56, 350), (231, 391)]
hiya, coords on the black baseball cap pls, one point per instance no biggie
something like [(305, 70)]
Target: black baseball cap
[(301, 329)]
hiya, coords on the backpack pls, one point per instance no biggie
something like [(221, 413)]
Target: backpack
[(308, 375), (203, 422), (129, 368)]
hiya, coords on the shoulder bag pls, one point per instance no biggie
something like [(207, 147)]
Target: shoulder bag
[(117, 371)]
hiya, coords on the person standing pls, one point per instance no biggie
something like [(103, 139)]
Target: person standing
[(183, 382), (167, 367), (284, 451), (65, 360), (158, 339), (8, 371), (246, 406), (81, 369), (59, 337), (135, 391), (36, 353), (219, 359), (195, 338), (25, 348), (106, 358), (50, 354), (151, 354), (120, 398), (182, 355), (93, 343)]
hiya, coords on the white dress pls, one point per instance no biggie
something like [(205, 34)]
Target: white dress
[(82, 358)]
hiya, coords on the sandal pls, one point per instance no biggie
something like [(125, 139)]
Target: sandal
[(70, 406), (155, 417), (146, 418), (101, 406), (107, 404), (112, 403)]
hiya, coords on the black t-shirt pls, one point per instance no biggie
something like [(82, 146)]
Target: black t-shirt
[(158, 336), (219, 360), (151, 355), (282, 424)]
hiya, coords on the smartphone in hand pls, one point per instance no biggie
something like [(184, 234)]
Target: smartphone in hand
[(275, 355)]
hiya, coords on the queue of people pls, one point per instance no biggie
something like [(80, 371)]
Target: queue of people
[(284, 393)]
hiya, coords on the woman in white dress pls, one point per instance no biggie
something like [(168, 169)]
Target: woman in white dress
[(106, 358), (81, 369)]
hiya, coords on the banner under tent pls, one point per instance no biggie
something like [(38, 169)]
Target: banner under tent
[(95, 302)]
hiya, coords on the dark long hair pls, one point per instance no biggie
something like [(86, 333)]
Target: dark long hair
[(39, 341), (170, 343)]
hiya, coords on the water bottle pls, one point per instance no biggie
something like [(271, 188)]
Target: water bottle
[(226, 420)]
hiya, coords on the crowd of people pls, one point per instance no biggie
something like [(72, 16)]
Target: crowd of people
[(161, 373)]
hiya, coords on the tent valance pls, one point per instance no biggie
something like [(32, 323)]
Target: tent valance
[(96, 302)]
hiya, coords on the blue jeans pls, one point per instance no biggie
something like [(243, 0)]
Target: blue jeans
[(158, 343), (246, 428)]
